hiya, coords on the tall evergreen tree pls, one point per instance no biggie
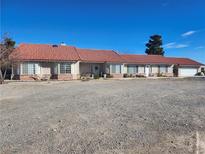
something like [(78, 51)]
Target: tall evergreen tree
[(154, 46)]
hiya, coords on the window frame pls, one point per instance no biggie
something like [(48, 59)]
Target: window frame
[(26, 68), (115, 66), (63, 65), (135, 69)]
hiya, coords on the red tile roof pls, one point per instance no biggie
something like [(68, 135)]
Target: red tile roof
[(64, 53), (43, 52), (46, 52), (144, 59), (183, 61), (88, 55), (157, 59)]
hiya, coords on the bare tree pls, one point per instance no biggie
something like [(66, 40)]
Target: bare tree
[(6, 48)]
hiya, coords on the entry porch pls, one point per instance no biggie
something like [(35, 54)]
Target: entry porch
[(104, 69)]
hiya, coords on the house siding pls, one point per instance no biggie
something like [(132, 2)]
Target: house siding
[(47, 59), (141, 69), (44, 70)]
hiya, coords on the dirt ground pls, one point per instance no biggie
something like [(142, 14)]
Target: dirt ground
[(103, 117)]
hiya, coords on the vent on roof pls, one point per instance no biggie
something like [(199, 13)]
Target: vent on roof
[(63, 44), (55, 45)]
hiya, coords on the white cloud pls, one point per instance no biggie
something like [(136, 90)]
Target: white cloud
[(188, 33), (200, 47), (174, 45), (181, 46), (169, 44)]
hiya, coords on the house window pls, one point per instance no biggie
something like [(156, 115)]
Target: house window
[(115, 68), (28, 68), (163, 69), (65, 68), (132, 69)]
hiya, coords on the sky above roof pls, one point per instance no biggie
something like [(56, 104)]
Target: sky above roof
[(121, 25)]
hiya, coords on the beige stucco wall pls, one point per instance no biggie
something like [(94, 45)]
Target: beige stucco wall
[(141, 69), (45, 68), (155, 69), (75, 70), (124, 69)]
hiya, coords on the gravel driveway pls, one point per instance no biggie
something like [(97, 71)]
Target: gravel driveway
[(133, 116)]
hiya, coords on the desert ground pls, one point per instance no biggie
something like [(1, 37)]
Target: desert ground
[(103, 117)]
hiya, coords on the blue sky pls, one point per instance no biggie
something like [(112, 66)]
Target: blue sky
[(122, 25)]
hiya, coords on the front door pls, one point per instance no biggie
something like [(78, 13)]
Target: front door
[(96, 69)]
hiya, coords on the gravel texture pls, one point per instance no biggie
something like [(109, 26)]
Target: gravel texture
[(102, 117)]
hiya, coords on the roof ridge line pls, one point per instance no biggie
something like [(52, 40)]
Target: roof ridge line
[(77, 53), (124, 54), (120, 55)]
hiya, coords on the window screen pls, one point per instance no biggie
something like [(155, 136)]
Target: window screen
[(28, 68), (115, 68), (132, 69), (65, 68)]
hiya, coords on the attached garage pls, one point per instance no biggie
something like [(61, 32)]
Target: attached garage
[(187, 71)]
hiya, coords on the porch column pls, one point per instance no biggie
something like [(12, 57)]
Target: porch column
[(124, 69), (58, 65), (12, 71), (21, 69), (75, 70)]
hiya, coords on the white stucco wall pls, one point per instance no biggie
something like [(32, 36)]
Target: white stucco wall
[(141, 69), (45, 68), (170, 69), (75, 68), (155, 69), (124, 68)]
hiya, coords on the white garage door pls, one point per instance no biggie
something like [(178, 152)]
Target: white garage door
[(187, 71)]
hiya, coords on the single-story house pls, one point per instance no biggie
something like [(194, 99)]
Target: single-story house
[(63, 62)]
